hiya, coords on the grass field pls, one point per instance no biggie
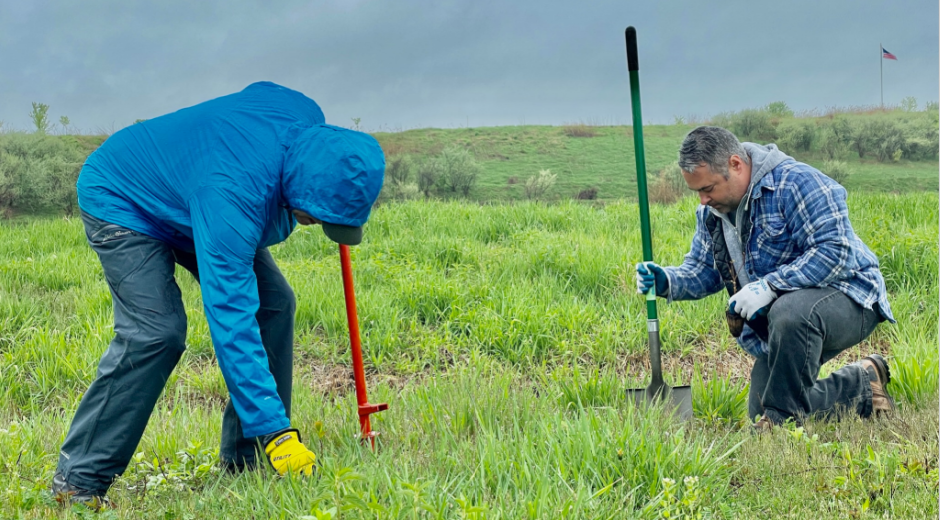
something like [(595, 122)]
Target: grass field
[(509, 155), (503, 337)]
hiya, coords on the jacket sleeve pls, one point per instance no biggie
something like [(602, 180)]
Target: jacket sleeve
[(226, 232), (697, 277), (818, 218)]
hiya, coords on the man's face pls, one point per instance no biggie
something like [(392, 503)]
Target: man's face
[(304, 219), (715, 190)]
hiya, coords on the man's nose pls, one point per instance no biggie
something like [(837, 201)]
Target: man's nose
[(704, 199)]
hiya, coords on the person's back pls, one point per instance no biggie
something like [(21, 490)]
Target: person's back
[(143, 176)]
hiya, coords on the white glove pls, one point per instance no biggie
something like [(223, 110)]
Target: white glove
[(752, 300)]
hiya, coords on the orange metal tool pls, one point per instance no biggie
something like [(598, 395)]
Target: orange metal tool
[(365, 407)]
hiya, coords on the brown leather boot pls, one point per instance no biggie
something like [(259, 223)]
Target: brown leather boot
[(67, 494), (879, 375)]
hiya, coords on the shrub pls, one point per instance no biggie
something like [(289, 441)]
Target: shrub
[(458, 170), (398, 169), (587, 194), (752, 124), (909, 104), (399, 191), (921, 138), (428, 172), (837, 170), (668, 185), (835, 138), (795, 135), (722, 119), (537, 185), (778, 109), (14, 183), (579, 130), (38, 171), (879, 137)]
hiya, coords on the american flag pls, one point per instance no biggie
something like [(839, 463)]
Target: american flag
[(887, 55)]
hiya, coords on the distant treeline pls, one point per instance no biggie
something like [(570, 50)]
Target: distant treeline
[(38, 171), (870, 132)]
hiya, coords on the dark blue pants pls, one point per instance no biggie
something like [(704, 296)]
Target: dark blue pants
[(807, 328), (149, 338)]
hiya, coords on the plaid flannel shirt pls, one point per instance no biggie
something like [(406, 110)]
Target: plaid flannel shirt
[(801, 237)]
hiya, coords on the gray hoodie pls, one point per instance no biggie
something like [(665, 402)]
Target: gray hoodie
[(764, 158)]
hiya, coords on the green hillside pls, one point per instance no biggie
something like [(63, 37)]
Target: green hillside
[(509, 155), (890, 150)]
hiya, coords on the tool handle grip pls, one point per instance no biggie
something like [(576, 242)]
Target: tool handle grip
[(632, 62)]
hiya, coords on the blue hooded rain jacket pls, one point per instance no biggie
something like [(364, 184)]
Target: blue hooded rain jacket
[(219, 179)]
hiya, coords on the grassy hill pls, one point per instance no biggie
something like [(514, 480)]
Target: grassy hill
[(605, 159), (886, 150)]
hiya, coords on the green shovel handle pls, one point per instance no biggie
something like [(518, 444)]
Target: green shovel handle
[(633, 66)]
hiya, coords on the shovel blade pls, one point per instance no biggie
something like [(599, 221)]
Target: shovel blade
[(677, 399)]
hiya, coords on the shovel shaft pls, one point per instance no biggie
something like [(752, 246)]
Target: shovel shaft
[(633, 68)]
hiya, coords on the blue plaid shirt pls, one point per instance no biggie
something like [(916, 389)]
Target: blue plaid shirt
[(801, 237)]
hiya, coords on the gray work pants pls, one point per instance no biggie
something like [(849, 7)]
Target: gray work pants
[(807, 328), (149, 338)]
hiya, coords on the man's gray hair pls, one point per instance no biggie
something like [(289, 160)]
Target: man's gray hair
[(713, 146)]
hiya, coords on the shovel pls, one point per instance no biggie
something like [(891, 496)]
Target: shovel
[(679, 398)]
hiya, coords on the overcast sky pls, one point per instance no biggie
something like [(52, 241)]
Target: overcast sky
[(406, 64)]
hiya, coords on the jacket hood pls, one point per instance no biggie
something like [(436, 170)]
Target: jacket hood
[(763, 159), (334, 174)]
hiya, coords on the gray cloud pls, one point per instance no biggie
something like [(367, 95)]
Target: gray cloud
[(407, 64)]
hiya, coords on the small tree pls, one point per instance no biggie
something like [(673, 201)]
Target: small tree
[(779, 109), (458, 170), (537, 186), (40, 117), (398, 169), (753, 124), (428, 172), (796, 135), (64, 121), (909, 104)]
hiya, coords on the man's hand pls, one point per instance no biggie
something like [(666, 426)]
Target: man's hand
[(649, 274), (288, 454), (752, 300)]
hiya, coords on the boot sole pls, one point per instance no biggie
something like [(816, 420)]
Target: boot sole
[(884, 375), (884, 372)]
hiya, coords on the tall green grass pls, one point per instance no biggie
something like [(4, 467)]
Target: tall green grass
[(503, 337)]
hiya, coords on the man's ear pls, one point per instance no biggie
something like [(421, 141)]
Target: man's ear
[(735, 163)]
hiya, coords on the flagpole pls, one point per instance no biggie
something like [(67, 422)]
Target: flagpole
[(881, 66)]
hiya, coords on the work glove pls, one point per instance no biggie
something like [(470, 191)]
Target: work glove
[(752, 300), (649, 274), (287, 454)]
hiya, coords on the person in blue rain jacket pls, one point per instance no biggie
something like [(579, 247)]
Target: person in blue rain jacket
[(210, 188)]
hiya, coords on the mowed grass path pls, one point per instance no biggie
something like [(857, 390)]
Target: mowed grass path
[(503, 337)]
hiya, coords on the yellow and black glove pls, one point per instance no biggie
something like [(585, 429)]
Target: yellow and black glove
[(287, 454)]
